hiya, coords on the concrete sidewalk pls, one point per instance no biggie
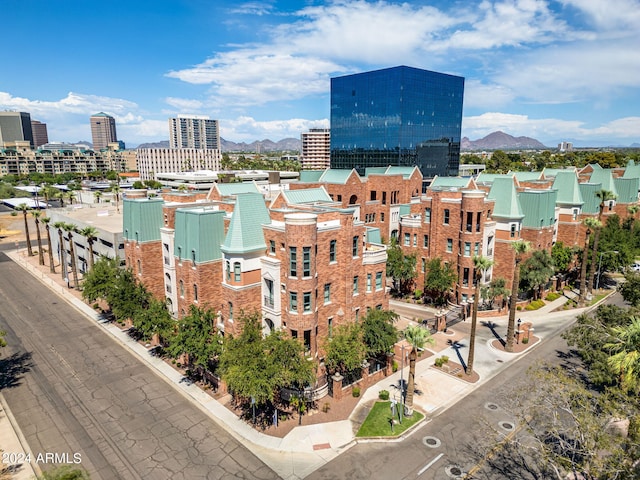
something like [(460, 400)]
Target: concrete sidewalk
[(307, 448)]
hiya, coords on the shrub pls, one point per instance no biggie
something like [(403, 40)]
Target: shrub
[(525, 340), (383, 395), (535, 305), (355, 391), (394, 367), (440, 361), (326, 407), (417, 294), (552, 296), (518, 308)]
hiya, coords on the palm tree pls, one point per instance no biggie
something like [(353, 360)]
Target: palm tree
[(604, 196), (591, 224), (481, 265), (63, 261), (115, 189), (24, 209), (36, 215), (46, 221), (418, 337), (91, 235), (97, 196), (625, 360), (520, 247), (60, 195), (632, 210), (70, 228), (71, 196)]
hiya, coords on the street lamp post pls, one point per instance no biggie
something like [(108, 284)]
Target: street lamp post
[(401, 384), (518, 331), (600, 266)]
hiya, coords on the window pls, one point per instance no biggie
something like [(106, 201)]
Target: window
[(446, 216), (465, 277), (427, 215), (478, 221), (384, 198), (293, 264), (469, 221), (575, 214), (327, 293), (368, 282), (306, 301), (272, 247), (424, 265), (355, 285), (407, 239), (231, 311), (415, 239), (476, 249), (378, 280), (181, 289), (449, 245), (193, 257), (268, 298), (179, 254), (306, 261), (373, 194), (332, 251), (382, 217), (139, 267), (356, 244), (425, 241), (467, 249), (330, 326), (293, 301), (357, 316), (236, 272), (228, 270), (513, 230), (195, 292)]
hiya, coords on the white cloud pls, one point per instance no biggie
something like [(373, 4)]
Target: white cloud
[(609, 14), (184, 104), (482, 95), (75, 103), (248, 129)]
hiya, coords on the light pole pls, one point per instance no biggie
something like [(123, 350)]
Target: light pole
[(401, 384), (518, 331), (600, 266)]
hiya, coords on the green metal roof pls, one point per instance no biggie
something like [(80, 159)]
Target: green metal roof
[(591, 201), (632, 170), (142, 219), (604, 176), (553, 172), (567, 186), (199, 233), (503, 192), (527, 176), (307, 195), (336, 176), (245, 230), (227, 189), (373, 235), (627, 189), (539, 207), (490, 177), (375, 171), (450, 182), (310, 176)]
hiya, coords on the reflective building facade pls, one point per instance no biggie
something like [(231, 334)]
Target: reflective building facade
[(397, 116)]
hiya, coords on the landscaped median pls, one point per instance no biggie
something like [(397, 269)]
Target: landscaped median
[(378, 423)]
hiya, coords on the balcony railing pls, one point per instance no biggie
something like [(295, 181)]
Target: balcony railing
[(374, 253)]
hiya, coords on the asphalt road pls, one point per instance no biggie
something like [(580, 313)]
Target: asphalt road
[(74, 390)]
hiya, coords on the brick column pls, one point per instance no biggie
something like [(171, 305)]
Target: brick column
[(337, 386)]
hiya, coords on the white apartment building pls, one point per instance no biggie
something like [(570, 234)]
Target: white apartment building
[(161, 160), (315, 152), (194, 131)]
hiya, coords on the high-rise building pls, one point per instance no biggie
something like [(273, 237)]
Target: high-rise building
[(400, 116), (15, 127), (40, 136), (103, 130), (315, 152), (194, 131)]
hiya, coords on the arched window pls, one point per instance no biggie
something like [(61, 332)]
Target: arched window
[(236, 272), (353, 200), (181, 288), (195, 292)]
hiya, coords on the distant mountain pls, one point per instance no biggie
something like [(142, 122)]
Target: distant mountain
[(84, 142), (501, 141), (288, 144)]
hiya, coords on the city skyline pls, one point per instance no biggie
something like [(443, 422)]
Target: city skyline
[(551, 70)]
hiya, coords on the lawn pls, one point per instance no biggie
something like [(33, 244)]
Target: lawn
[(377, 423)]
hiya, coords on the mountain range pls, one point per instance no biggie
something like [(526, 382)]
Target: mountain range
[(502, 141)]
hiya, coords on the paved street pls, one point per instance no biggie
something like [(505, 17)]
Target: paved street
[(72, 389)]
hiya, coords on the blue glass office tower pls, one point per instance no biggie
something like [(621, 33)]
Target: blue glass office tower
[(397, 116)]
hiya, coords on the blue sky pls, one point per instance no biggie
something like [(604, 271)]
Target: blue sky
[(552, 70)]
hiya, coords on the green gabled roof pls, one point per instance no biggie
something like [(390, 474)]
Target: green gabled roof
[(527, 176), (406, 172), (490, 177), (568, 188), (227, 189), (199, 233), (374, 171), (405, 209), (627, 189), (539, 207), (373, 235), (591, 201), (632, 170), (336, 176), (503, 192), (306, 195), (310, 176), (142, 219), (604, 176), (450, 182), (245, 230), (553, 172)]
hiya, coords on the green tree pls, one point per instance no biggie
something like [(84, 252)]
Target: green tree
[(46, 221), (536, 271), (116, 190), (630, 289), (100, 281), (604, 196), (417, 337), (561, 257), (591, 225), (97, 195), (196, 338), (91, 234), (138, 185), (155, 319), (625, 361), (345, 350), (70, 228), (127, 296), (520, 247), (24, 209), (499, 162), (497, 288), (438, 280), (379, 332), (36, 214), (401, 267), (480, 265)]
